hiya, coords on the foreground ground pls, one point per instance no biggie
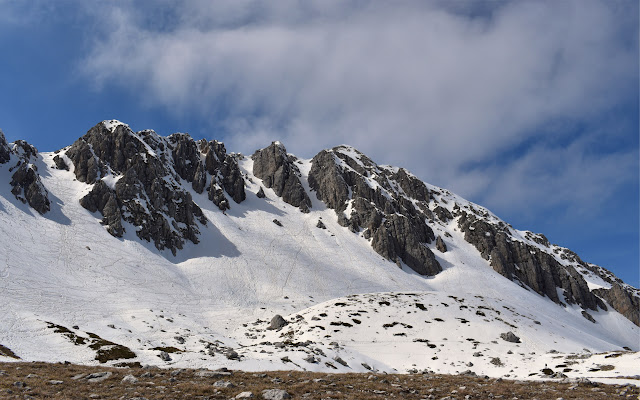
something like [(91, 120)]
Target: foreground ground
[(67, 381)]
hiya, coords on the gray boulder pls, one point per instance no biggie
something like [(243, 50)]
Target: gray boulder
[(277, 322), (510, 337), (275, 394)]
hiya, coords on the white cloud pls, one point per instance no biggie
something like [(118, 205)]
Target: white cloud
[(423, 85)]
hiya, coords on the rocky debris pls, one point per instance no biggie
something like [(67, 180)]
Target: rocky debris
[(278, 171), (97, 377), (148, 170), (129, 379), (277, 322), (525, 263), (232, 355), (384, 211), (623, 300), (510, 337), (261, 194), (321, 225), (275, 394), (5, 152), (441, 245)]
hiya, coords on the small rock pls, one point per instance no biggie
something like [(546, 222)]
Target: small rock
[(232, 355), (223, 384), (164, 356), (261, 194), (275, 394), (129, 379), (98, 377), (20, 384), (245, 395), (275, 221), (53, 382)]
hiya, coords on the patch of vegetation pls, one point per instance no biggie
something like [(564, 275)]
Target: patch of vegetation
[(109, 351), (72, 336), (5, 351), (168, 349)]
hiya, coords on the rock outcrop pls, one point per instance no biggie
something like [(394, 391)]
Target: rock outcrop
[(626, 302), (147, 170), (5, 152), (527, 264), (26, 184), (346, 180), (278, 171)]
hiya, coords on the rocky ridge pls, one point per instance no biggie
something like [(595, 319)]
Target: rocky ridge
[(143, 181), (138, 178), (389, 206)]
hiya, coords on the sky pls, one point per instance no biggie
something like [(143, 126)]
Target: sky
[(529, 108)]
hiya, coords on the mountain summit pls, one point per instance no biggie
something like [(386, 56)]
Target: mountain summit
[(130, 247)]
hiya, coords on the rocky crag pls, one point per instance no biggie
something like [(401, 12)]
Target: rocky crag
[(139, 178), (144, 182), (25, 181)]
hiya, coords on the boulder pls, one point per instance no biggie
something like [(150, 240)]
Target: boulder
[(510, 337), (275, 394), (277, 322)]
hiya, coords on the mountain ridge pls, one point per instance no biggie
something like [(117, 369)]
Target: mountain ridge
[(158, 190)]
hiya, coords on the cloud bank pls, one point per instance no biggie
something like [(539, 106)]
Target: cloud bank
[(503, 102)]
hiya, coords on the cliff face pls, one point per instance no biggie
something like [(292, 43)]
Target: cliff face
[(148, 171)]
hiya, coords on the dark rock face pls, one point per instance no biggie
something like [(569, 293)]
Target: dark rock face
[(343, 177), (149, 169), (25, 181), (623, 301), (525, 263), (28, 188), (60, 163), (5, 152), (278, 171)]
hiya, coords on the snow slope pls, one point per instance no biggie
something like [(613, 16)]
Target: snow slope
[(67, 285)]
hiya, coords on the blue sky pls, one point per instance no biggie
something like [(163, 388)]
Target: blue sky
[(529, 108)]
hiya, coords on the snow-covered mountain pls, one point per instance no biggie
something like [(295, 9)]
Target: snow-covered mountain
[(128, 247)]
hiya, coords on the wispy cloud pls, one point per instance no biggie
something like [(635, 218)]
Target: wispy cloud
[(426, 85)]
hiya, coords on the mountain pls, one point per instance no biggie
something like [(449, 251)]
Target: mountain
[(129, 247)]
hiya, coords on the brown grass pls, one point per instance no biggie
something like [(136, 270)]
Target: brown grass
[(155, 383)]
